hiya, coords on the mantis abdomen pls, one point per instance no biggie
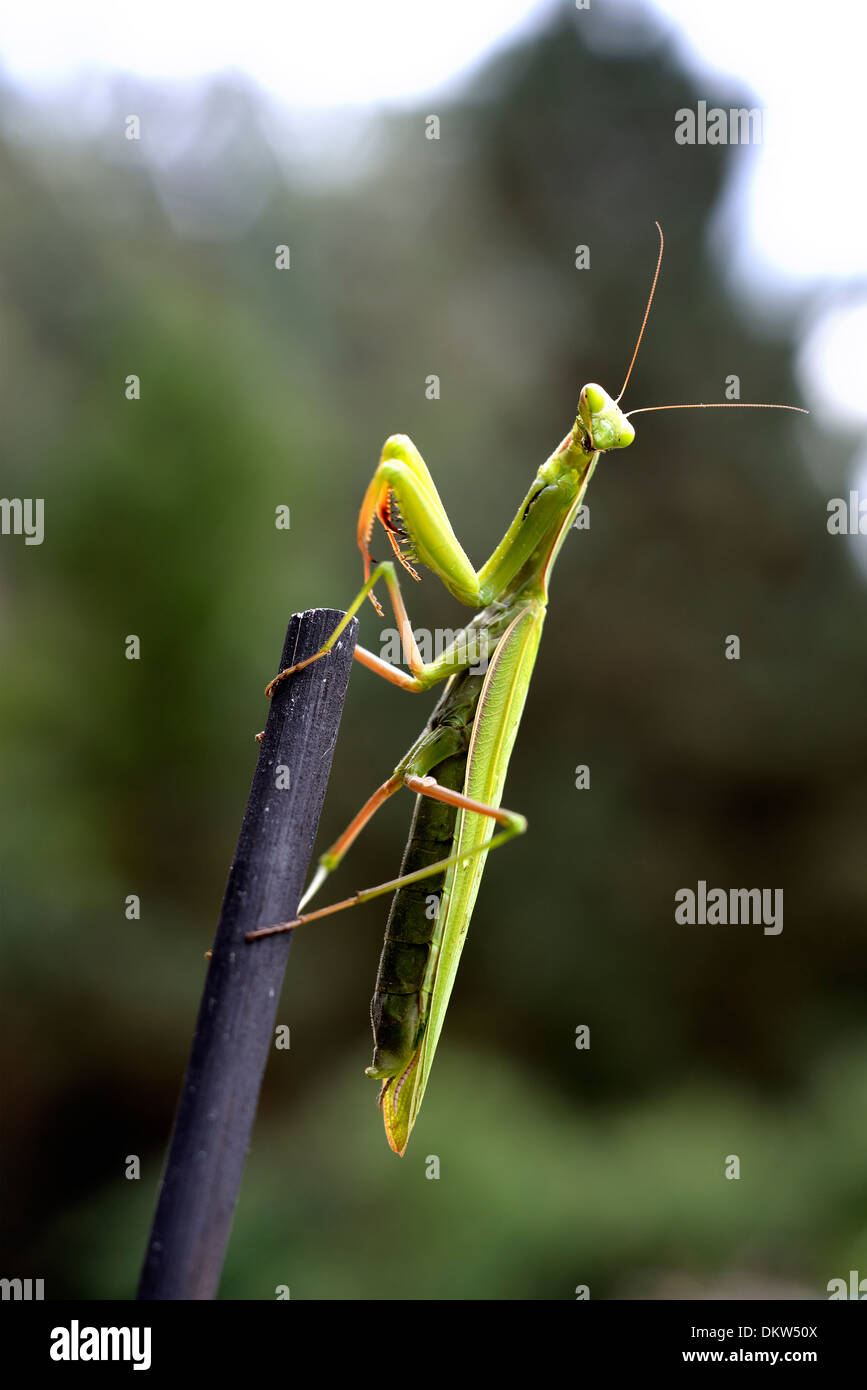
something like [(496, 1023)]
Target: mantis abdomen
[(398, 1009)]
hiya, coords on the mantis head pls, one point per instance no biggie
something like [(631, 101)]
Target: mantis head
[(602, 420)]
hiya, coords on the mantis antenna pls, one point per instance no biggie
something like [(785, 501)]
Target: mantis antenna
[(646, 312), (719, 405), (696, 405)]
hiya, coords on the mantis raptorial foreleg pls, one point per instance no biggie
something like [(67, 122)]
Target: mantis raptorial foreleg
[(514, 824), (403, 496)]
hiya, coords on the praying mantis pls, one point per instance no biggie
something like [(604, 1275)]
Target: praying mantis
[(457, 766)]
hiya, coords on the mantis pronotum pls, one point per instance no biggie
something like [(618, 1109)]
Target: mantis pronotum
[(457, 766)]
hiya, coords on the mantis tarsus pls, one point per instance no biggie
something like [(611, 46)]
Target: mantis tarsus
[(458, 764)]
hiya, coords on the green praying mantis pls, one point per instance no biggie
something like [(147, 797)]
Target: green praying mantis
[(457, 766)]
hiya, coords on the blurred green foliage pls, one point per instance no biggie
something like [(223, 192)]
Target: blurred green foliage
[(262, 388)]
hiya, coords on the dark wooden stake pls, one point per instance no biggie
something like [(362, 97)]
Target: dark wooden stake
[(235, 1030)]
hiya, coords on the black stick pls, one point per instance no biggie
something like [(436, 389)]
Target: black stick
[(235, 1029)]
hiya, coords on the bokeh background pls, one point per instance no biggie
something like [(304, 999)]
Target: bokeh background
[(260, 388)]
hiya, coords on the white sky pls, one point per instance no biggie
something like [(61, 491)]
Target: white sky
[(804, 60), (801, 210), (303, 52)]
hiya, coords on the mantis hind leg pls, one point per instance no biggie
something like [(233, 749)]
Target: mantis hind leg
[(431, 751), (513, 824), (333, 855)]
